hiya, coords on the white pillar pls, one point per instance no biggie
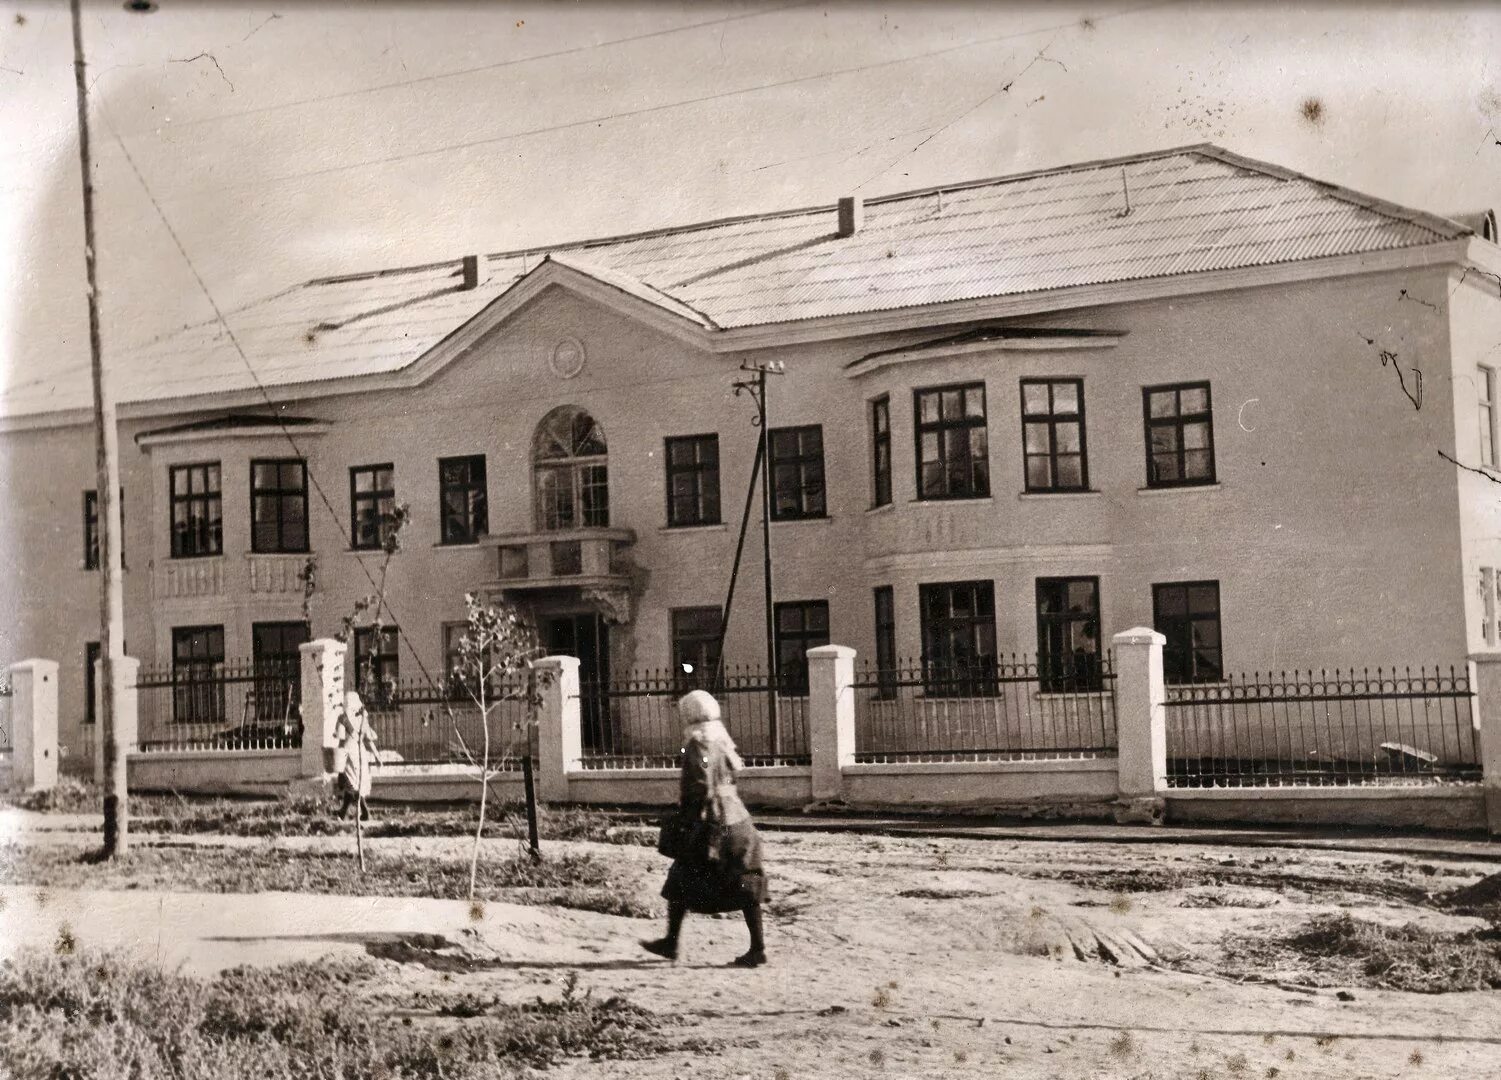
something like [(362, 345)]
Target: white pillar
[(559, 725), (322, 702), (831, 718), (33, 717), (1140, 723), (1485, 682), (127, 712)]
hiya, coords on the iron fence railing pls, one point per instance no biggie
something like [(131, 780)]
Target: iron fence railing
[(1323, 728), (632, 722), (1019, 707), (424, 722), (231, 705)]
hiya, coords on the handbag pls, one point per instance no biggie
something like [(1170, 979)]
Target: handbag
[(682, 838)]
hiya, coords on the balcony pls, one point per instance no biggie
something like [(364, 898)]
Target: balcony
[(586, 559)]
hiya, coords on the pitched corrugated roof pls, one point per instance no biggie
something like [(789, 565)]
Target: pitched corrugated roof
[(1190, 209)]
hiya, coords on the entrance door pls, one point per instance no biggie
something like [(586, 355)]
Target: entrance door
[(588, 638)]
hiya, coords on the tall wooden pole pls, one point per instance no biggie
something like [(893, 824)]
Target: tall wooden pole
[(772, 675), (107, 467)]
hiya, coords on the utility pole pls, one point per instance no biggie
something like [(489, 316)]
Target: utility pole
[(756, 387), (107, 467)]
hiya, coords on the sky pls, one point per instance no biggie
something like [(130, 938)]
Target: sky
[(240, 148)]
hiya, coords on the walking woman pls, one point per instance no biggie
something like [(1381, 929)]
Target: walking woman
[(356, 755), (718, 868)]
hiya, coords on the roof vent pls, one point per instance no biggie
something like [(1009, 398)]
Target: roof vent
[(851, 215), (476, 271)]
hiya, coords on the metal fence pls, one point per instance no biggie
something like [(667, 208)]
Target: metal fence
[(633, 723), (1017, 708), (422, 722), (1323, 728), (233, 705)]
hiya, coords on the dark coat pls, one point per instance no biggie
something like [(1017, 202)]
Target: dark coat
[(725, 874)]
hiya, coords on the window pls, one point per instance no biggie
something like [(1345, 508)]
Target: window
[(695, 645), (90, 682), (880, 451), (1053, 435), (197, 674), (1068, 634), (797, 488), (953, 457), (197, 510), (278, 505), (278, 669), (801, 625), (458, 675), (1180, 435), (1489, 436), (462, 509), (1187, 613), (693, 480), (886, 672), (372, 506), (377, 667), (91, 529), (958, 638), (570, 471)]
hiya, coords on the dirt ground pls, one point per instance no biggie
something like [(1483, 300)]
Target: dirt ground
[(928, 958)]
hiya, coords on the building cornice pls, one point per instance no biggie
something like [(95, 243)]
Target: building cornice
[(921, 353), (149, 439)]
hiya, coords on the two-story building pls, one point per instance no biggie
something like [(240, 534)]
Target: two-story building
[(1182, 389)]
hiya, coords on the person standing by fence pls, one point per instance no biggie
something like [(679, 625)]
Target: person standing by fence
[(714, 846), (355, 755)]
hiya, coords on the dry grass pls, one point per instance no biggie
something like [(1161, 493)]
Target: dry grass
[(1340, 950), (566, 879), (97, 1014), (1123, 1045)]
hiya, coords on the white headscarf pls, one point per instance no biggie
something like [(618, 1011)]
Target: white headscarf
[(700, 713)]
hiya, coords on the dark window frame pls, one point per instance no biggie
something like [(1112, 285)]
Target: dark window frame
[(970, 670), (812, 499), (792, 643), (699, 646), (884, 602), (979, 483), (1180, 654), (1072, 675), (382, 500), (1179, 421), (1051, 421), (278, 673), (282, 497), (475, 516), (92, 654), (208, 539), (880, 451), (197, 700), (702, 474), (91, 529), (385, 665)]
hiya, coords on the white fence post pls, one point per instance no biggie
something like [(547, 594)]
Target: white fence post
[(1140, 725), (322, 701), (127, 711), (831, 718), (1485, 683), (559, 735), (34, 725)]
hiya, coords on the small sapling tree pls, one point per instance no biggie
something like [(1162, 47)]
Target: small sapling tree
[(496, 664)]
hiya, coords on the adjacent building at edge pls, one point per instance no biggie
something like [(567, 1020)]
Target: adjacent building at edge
[(1183, 389)]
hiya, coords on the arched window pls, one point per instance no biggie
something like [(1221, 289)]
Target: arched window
[(570, 471)]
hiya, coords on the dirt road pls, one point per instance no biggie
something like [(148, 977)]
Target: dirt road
[(921, 958)]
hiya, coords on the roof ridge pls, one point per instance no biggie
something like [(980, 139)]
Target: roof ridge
[(771, 215)]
